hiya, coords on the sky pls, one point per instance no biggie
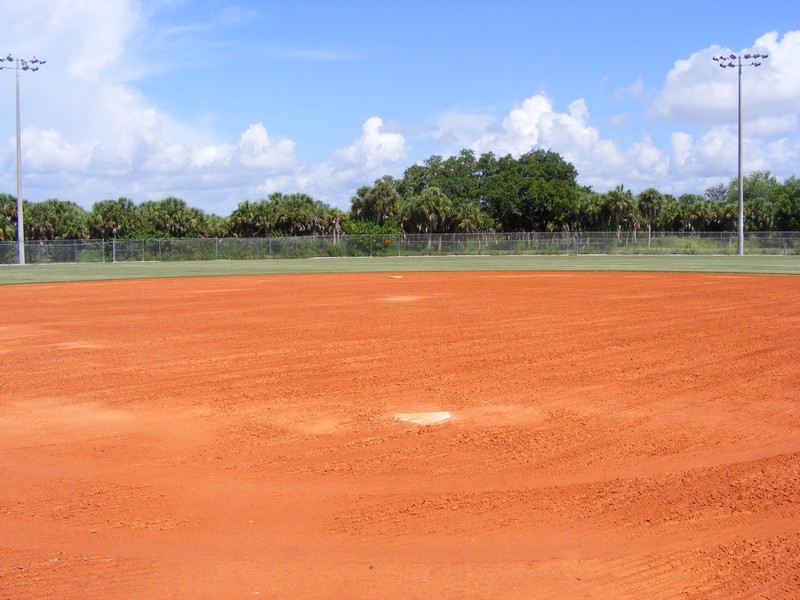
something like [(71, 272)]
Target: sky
[(221, 102)]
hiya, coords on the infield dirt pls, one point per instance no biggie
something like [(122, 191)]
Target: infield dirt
[(611, 436)]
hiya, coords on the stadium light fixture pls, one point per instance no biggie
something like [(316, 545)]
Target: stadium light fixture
[(31, 65), (731, 62)]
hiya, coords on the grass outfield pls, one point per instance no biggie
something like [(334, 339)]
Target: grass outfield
[(777, 265)]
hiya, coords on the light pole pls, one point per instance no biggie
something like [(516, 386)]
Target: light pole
[(20, 65), (727, 62)]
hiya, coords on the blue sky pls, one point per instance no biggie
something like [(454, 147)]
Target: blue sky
[(220, 102)]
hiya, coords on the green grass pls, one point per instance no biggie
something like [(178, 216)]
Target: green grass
[(779, 265)]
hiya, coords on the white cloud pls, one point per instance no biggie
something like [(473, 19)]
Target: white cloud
[(695, 93), (697, 90), (634, 90), (46, 151), (374, 149), (257, 150), (92, 133), (536, 124), (456, 127)]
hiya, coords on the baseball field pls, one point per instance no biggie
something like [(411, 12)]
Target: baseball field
[(606, 433)]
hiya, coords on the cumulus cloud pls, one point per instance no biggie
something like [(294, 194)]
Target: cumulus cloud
[(700, 98), (93, 133), (696, 94), (374, 149), (456, 127), (257, 150), (536, 124), (695, 91)]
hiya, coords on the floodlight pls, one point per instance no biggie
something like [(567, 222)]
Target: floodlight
[(739, 64), (20, 65)]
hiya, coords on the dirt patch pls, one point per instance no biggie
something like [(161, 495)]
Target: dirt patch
[(611, 436)]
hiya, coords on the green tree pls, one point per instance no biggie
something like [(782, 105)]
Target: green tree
[(55, 220), (113, 219), (467, 217), (536, 192), (591, 215), (253, 219), (787, 209), (334, 224), (168, 218), (679, 214), (762, 194), (8, 217), (716, 193), (300, 214), (415, 179), (622, 210), (650, 202), (457, 177), (378, 202), (204, 225), (429, 212)]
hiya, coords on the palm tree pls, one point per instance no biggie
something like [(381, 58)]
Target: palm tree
[(360, 201), (56, 220), (334, 221), (650, 202), (469, 218), (8, 217), (300, 214), (376, 203), (113, 218), (622, 210), (428, 212)]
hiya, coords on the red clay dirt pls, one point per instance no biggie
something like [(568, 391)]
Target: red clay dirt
[(612, 436)]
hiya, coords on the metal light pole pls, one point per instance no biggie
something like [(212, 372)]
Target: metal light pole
[(726, 62), (20, 65)]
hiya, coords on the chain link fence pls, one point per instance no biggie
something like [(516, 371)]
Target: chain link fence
[(543, 243)]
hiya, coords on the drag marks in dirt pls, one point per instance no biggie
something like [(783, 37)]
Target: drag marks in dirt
[(612, 436), (63, 574), (46, 421), (725, 497), (94, 507)]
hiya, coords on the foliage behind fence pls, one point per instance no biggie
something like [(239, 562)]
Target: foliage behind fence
[(182, 249)]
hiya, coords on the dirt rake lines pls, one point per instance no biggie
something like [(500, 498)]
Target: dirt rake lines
[(611, 436)]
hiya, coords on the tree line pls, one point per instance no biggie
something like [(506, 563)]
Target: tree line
[(537, 191)]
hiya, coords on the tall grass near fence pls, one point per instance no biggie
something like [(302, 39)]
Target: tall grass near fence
[(535, 243)]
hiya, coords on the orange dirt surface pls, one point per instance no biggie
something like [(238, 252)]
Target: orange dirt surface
[(612, 436)]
